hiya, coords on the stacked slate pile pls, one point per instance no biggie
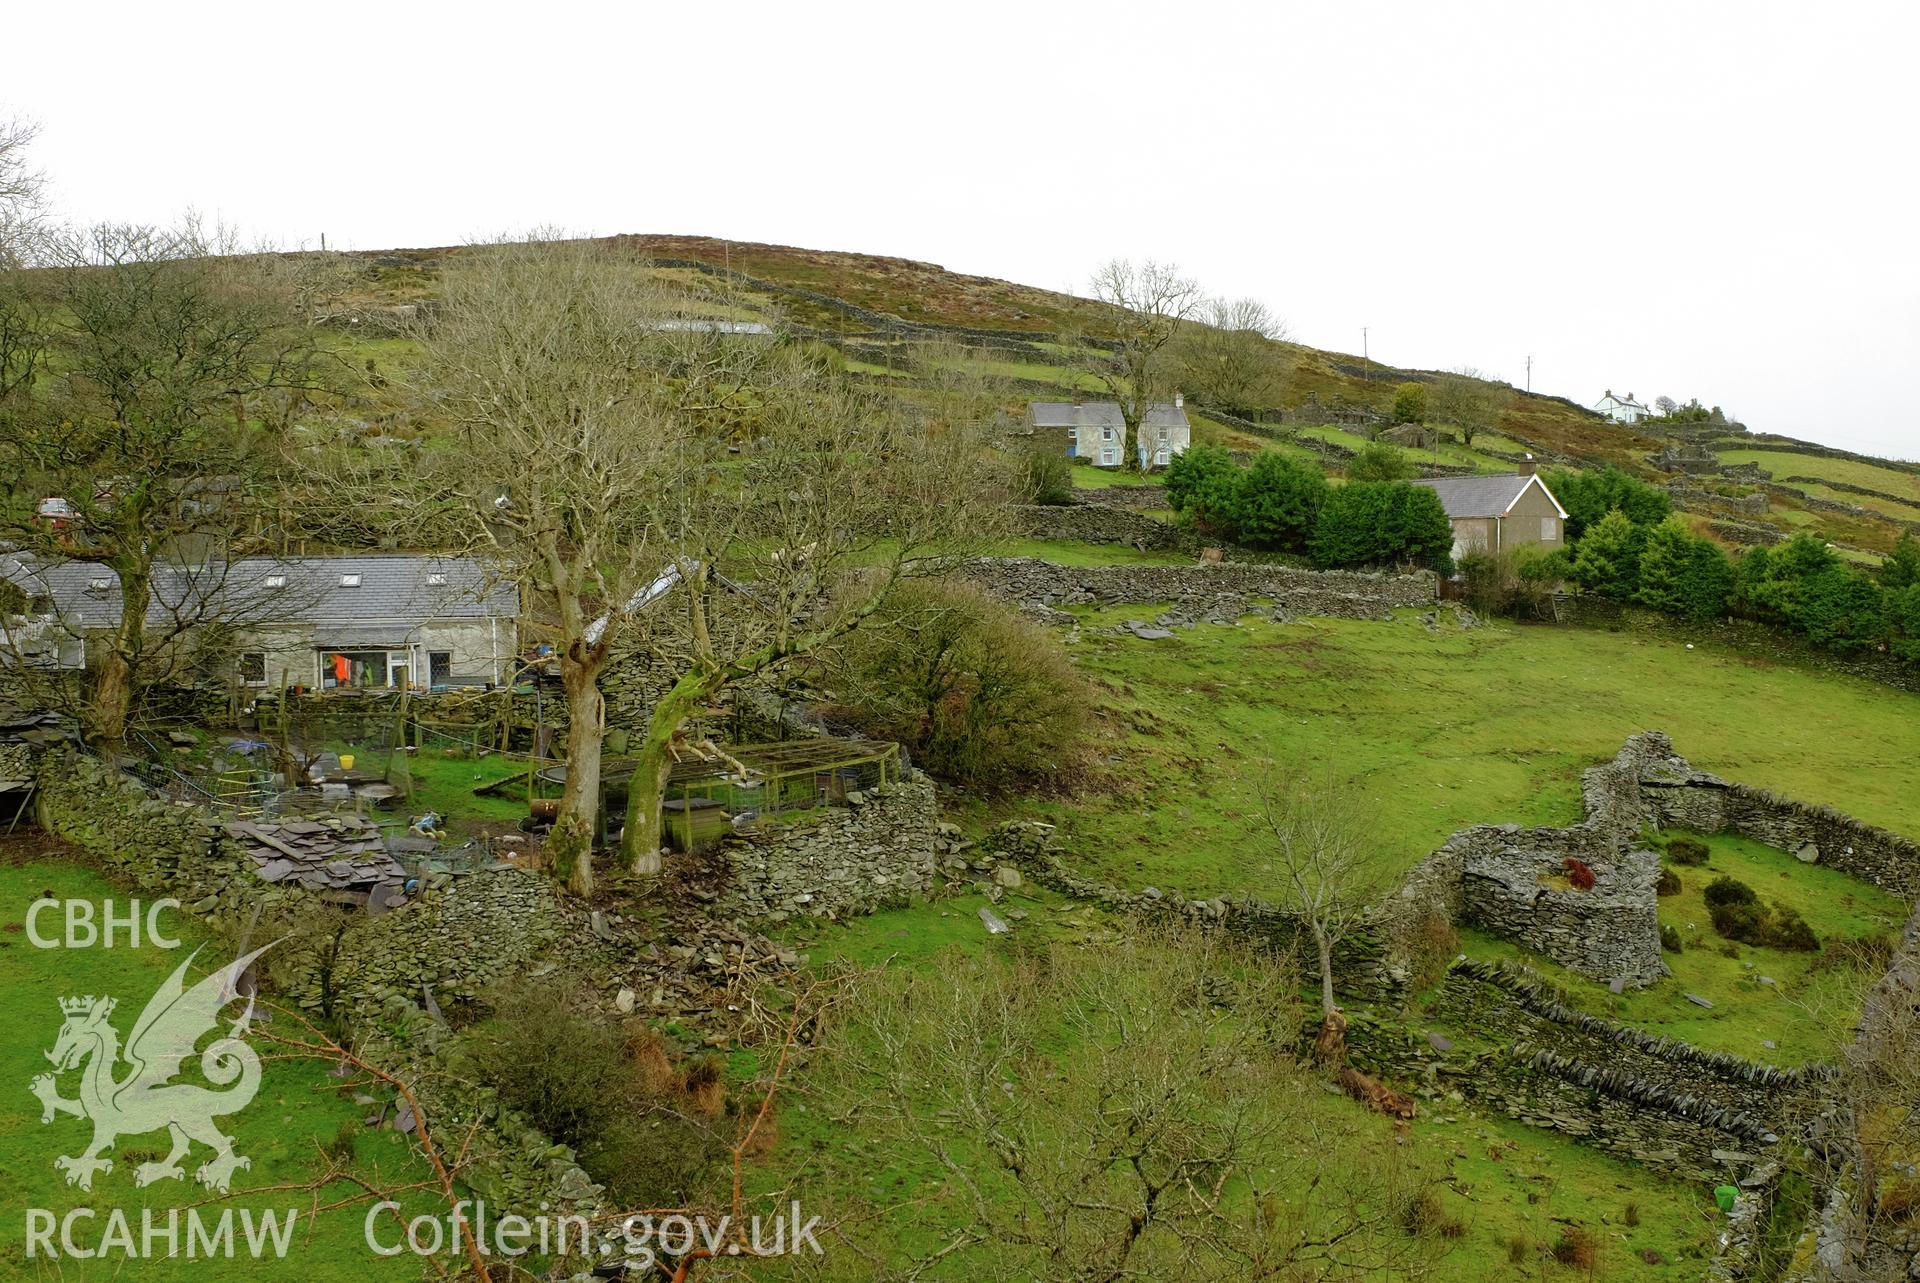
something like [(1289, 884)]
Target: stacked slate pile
[(322, 852)]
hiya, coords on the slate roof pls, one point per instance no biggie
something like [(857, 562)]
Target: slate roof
[(394, 590), (1101, 414), (1485, 496)]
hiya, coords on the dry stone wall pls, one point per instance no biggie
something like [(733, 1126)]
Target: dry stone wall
[(1151, 497), (1495, 1003), (1510, 880), (1337, 593), (1682, 797), (1514, 884), (457, 937), (1095, 523), (872, 853), (1600, 1106), (1361, 961)]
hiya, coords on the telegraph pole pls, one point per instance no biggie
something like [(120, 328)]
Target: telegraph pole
[(1529, 375), (1366, 361)]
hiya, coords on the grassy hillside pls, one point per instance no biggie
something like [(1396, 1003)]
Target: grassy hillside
[(1441, 730), (1031, 342)]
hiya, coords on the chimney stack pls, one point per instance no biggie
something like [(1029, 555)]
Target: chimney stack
[(1528, 467), (1178, 401)]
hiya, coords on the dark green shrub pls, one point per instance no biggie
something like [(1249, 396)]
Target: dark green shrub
[(1383, 523), (1725, 892), (1589, 496), (1788, 930), (1688, 851), (1277, 502), (1670, 938), (1669, 883), (1738, 914), (1201, 485)]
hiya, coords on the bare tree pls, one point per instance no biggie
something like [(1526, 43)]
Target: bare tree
[(1117, 1113), (790, 536), (1330, 874), (1234, 356), (1470, 401), (955, 386), (21, 191), (1149, 305), (141, 425), (550, 357), (1665, 406)]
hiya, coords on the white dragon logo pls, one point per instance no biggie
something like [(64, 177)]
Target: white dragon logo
[(174, 1019)]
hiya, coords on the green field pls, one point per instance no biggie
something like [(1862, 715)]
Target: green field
[(1088, 477), (1784, 464), (1447, 453), (1808, 1010), (298, 1108), (1439, 730)]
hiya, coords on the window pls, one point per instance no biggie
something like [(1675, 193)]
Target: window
[(276, 581), (252, 668), (349, 581), (363, 669), (1549, 529), (99, 585), (439, 666), (1160, 457), (1106, 434), (437, 579)]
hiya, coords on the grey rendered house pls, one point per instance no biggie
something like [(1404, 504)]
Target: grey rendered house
[(1097, 430), (1491, 513), (381, 620)]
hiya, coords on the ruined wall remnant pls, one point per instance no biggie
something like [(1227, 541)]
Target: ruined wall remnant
[(874, 852)]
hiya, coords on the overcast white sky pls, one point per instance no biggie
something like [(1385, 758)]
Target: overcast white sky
[(1693, 199)]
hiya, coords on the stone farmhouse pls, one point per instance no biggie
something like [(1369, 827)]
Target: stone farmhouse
[(1621, 409), (1491, 513), (1097, 430), (396, 620)]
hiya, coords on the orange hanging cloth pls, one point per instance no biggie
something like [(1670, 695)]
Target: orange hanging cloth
[(341, 669)]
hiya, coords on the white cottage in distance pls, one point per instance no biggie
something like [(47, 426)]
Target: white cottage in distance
[(1621, 409), (1097, 430)]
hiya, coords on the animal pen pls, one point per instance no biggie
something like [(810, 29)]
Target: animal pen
[(705, 799)]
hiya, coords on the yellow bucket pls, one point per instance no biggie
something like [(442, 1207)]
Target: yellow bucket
[(346, 761)]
